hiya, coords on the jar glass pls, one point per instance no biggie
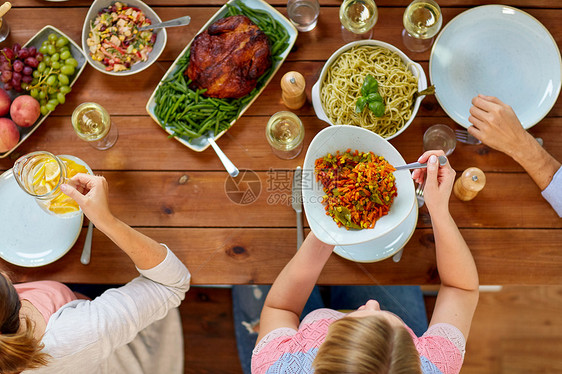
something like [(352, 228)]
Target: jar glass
[(40, 174)]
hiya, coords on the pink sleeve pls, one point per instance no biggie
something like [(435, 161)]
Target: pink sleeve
[(444, 346)]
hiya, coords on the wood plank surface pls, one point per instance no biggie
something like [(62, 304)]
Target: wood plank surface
[(256, 256), (141, 139), (179, 196)]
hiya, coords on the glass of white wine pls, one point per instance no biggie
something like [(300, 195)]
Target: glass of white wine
[(358, 18), (285, 134), (92, 123), (422, 21)]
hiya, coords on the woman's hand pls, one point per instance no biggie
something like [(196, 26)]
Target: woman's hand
[(91, 194), (438, 182), (496, 125)]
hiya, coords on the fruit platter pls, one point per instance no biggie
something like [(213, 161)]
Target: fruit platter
[(35, 79)]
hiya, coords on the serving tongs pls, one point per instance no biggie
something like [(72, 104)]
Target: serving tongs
[(228, 165)]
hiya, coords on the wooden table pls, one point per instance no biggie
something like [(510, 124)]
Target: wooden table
[(177, 196)]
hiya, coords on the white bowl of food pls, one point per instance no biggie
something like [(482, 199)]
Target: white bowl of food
[(335, 94), (110, 39), (335, 139)]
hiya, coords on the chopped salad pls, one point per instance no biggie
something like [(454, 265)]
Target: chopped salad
[(115, 40)]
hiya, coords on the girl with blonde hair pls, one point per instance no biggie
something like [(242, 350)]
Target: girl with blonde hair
[(371, 340)]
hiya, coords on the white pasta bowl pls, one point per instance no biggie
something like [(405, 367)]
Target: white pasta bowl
[(414, 67), (159, 44), (341, 138)]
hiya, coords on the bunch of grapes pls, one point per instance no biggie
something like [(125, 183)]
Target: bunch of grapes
[(17, 65), (51, 79)]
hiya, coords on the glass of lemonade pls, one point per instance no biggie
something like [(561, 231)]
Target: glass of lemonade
[(40, 174), (285, 134), (358, 18), (92, 123), (422, 21)]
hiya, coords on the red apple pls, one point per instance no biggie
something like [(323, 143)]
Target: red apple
[(9, 134), (5, 102), (25, 110)]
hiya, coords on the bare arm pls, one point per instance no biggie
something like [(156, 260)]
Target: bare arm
[(497, 126), (290, 291), (458, 294), (91, 193)]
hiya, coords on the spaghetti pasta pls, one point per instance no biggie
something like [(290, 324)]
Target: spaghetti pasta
[(342, 87)]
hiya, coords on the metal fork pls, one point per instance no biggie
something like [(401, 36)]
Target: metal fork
[(421, 201), (464, 136), (419, 194)]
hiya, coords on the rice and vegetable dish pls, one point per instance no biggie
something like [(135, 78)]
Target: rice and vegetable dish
[(360, 187), (114, 38)]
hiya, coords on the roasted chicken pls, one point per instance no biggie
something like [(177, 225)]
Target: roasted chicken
[(228, 58)]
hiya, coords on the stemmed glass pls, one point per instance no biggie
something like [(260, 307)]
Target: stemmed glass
[(358, 18), (422, 21)]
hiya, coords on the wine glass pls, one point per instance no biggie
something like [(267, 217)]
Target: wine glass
[(422, 21), (358, 18)]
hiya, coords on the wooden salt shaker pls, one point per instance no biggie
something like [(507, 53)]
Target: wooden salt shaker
[(469, 184), (293, 85)]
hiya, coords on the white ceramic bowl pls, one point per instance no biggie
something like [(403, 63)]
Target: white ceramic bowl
[(499, 51), (414, 67), (161, 36), (341, 138)]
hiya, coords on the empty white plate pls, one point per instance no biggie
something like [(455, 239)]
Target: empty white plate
[(30, 236), (500, 51)]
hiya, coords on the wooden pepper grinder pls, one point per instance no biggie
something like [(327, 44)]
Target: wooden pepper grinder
[(293, 85), (469, 184)]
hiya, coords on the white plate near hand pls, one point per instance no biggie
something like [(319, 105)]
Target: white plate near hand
[(496, 50), (30, 236), (383, 247)]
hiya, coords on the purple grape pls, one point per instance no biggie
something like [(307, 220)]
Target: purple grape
[(32, 51), (31, 61), (8, 86), (17, 88), (27, 70), (27, 79), (16, 77), (39, 57), (17, 66), (23, 53), (6, 76), (8, 52), (2, 58), (16, 48), (5, 66)]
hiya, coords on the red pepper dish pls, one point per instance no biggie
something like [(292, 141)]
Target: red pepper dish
[(360, 187)]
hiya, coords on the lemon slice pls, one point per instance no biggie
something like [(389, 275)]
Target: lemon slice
[(57, 209), (42, 188), (52, 171), (38, 173), (74, 168)]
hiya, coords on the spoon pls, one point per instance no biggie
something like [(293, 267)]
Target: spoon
[(86, 252), (228, 165), (417, 165), (182, 21)]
